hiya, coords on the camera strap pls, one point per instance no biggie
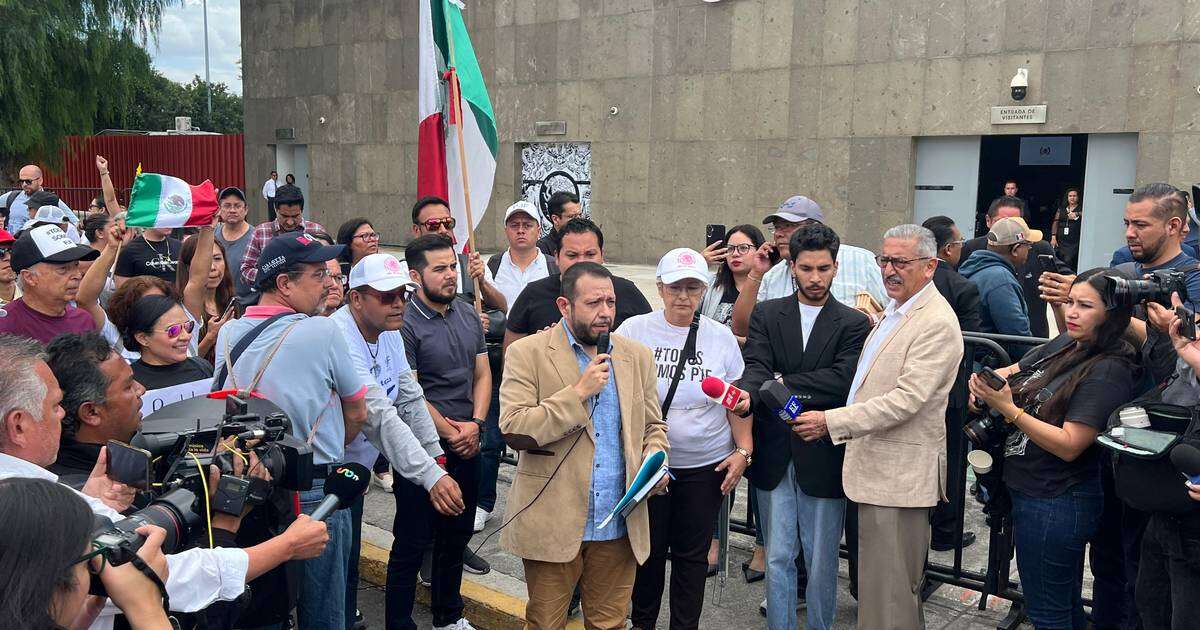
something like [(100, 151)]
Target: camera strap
[(232, 356), (689, 351)]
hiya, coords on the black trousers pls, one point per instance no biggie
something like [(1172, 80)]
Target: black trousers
[(681, 526), (415, 526), (1168, 581), (1113, 555)]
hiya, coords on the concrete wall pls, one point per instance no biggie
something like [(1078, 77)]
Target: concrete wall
[(725, 109)]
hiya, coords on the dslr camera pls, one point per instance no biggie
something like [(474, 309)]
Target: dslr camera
[(1156, 287), (987, 430)]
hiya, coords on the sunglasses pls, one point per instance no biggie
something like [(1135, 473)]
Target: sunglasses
[(446, 222), (5, 252), (28, 181), (174, 330), (389, 298)]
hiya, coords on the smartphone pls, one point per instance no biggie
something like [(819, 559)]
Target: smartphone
[(128, 465), (230, 307), (993, 380), (1187, 322), (713, 233), (1047, 262)]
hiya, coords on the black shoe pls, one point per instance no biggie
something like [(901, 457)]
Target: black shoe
[(425, 575), (573, 607), (968, 539), (474, 564), (359, 622), (751, 575)]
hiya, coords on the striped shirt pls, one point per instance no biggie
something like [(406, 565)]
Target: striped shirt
[(857, 271)]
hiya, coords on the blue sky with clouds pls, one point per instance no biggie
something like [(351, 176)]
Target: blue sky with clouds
[(179, 52)]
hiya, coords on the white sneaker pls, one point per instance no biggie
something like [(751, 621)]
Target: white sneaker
[(461, 624), (482, 516), (383, 480)]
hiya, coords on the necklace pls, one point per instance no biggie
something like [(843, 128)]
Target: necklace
[(374, 357), (147, 242)]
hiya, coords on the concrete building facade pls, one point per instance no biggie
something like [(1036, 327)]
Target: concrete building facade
[(714, 112)]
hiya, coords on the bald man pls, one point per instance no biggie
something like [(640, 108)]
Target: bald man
[(16, 212)]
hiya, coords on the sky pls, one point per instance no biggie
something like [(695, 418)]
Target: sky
[(179, 51)]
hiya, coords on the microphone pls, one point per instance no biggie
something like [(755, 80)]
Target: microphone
[(602, 343), (343, 485), (779, 399), (1186, 459), (721, 392)]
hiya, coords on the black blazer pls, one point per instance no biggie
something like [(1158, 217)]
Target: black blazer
[(1028, 276), (962, 294), (819, 374)]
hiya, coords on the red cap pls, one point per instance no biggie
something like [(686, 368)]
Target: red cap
[(6, 238)]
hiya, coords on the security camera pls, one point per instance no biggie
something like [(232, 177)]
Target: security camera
[(1020, 84), (321, 120), (613, 111)]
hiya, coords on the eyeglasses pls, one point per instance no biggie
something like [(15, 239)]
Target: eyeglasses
[(692, 290), (446, 222), (338, 278), (237, 205), (5, 252), (899, 264), (367, 237), (957, 242), (97, 550), (742, 250), (174, 330), (389, 298), (782, 226)]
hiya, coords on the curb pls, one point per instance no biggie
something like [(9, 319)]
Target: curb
[(485, 607)]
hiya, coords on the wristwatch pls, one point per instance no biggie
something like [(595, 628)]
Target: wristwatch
[(744, 453), (478, 421)]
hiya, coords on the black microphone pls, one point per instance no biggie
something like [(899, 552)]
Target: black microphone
[(1186, 459), (602, 345), (780, 400), (343, 485)]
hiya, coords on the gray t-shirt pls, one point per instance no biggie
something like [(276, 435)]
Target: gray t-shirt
[(235, 251), (309, 376)]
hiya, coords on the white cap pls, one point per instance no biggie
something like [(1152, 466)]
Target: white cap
[(521, 207), (680, 263), (49, 214), (381, 272)]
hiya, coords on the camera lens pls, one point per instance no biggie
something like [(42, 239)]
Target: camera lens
[(173, 512)]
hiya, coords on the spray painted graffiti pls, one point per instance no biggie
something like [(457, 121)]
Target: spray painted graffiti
[(550, 167)]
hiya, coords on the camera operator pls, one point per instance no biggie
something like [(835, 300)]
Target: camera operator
[(46, 561), (302, 364), (1058, 398)]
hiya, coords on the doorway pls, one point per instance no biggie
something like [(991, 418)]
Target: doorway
[(293, 159), (1043, 167)]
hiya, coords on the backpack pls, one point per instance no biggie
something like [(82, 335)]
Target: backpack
[(493, 264)]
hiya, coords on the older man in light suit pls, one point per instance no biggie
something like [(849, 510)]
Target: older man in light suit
[(894, 429), (583, 419)]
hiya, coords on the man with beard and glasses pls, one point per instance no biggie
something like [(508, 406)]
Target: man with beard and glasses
[(893, 426), (810, 342), (303, 364), (584, 418), (444, 344)]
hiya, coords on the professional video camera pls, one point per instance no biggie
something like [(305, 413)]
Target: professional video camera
[(184, 438), (1156, 287)]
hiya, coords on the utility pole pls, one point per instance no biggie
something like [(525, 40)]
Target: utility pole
[(207, 78)]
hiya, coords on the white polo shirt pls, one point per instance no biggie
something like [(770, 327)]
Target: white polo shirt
[(511, 279)]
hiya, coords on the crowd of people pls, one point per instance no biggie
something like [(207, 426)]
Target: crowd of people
[(425, 369)]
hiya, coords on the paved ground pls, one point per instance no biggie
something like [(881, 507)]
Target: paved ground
[(728, 604)]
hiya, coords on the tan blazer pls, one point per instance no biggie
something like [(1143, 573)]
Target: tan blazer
[(541, 416), (895, 432)]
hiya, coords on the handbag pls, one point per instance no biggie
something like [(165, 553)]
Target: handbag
[(1144, 476)]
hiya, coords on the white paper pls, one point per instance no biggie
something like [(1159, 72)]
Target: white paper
[(156, 399)]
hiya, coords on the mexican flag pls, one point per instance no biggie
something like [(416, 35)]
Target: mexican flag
[(444, 43), (159, 201)]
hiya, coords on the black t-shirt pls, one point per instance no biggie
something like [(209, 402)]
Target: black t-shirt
[(536, 308), (159, 376), (154, 258), (1031, 470), (724, 312)]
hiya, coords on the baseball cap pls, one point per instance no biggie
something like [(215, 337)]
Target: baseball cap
[(6, 238), (796, 209), (382, 272), (681, 263), (521, 207), (231, 190), (293, 247), (42, 198), (1012, 230), (48, 243), (48, 214)]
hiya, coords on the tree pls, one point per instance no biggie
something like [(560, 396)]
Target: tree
[(63, 62)]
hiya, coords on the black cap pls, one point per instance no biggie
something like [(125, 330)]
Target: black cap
[(41, 198), (231, 190), (288, 194), (284, 250), (48, 243)]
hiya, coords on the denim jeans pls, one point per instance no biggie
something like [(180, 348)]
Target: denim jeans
[(318, 605), (1050, 536), (795, 518), (491, 449), (1168, 581)]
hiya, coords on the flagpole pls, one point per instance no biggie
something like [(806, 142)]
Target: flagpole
[(456, 98)]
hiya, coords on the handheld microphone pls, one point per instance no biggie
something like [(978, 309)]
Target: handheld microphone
[(779, 399), (344, 484), (1186, 459), (721, 392), (602, 343)]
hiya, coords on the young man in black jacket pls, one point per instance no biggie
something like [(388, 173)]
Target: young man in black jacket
[(810, 342)]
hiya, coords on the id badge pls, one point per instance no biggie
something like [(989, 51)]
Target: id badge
[(1066, 230)]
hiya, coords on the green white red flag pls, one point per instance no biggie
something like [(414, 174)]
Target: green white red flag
[(439, 163), (160, 201)]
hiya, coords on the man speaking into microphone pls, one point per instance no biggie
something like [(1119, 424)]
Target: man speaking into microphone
[(583, 418), (809, 342)]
